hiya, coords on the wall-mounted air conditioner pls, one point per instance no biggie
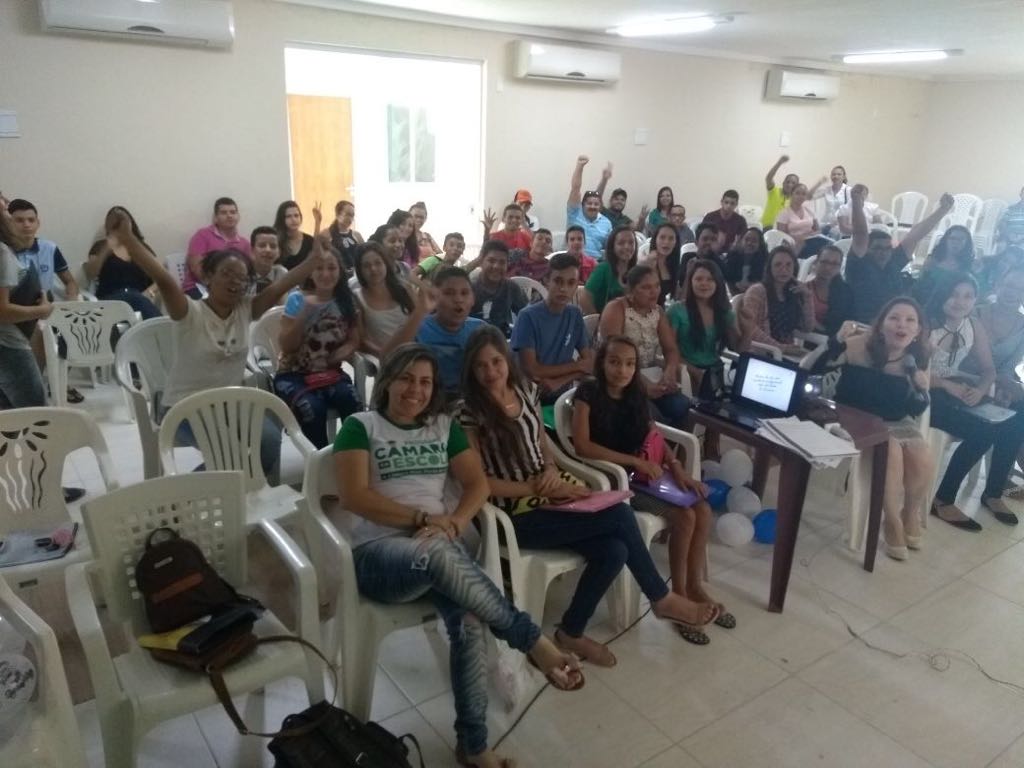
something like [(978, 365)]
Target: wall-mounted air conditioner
[(206, 23), (797, 84), (544, 61)]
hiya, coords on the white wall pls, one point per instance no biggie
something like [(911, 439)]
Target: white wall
[(166, 130)]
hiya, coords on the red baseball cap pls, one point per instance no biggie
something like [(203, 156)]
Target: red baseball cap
[(523, 196)]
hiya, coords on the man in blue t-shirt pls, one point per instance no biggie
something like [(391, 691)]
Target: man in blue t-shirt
[(584, 210), (550, 337), (447, 330), (44, 254)]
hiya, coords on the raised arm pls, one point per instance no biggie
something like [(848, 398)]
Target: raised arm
[(769, 179), (812, 192), (576, 182), (120, 229), (859, 222), (272, 294), (606, 175), (424, 305), (926, 225)]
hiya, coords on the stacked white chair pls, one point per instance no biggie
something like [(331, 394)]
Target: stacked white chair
[(908, 208), (530, 287), (773, 238), (134, 691), (752, 214), (985, 233)]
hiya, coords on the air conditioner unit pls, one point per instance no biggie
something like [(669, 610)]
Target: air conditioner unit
[(543, 61), (797, 84), (205, 23)]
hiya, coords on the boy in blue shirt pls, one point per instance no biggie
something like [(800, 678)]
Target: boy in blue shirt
[(550, 337), (44, 254)]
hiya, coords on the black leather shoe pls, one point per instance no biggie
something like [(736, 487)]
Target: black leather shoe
[(72, 495)]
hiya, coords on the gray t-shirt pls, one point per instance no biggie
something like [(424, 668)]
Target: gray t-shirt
[(11, 273)]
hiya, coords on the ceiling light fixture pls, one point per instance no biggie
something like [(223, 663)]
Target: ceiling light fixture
[(681, 25), (894, 57)]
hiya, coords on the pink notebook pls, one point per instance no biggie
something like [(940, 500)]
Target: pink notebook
[(595, 502)]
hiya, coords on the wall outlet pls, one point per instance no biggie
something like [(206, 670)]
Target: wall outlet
[(784, 139)]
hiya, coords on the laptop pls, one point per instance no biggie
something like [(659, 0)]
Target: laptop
[(763, 388)]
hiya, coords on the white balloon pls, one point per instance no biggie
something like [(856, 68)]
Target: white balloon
[(737, 468), (710, 470), (734, 529), (743, 501)]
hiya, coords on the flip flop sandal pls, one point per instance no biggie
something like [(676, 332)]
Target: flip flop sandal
[(725, 619), (608, 661), (687, 625), (462, 759), (74, 396), (693, 635), (576, 679)]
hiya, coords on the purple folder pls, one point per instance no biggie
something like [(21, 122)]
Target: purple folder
[(665, 489)]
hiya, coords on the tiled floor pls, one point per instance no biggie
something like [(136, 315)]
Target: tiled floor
[(881, 669)]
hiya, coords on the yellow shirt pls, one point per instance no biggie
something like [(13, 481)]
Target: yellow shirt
[(776, 202)]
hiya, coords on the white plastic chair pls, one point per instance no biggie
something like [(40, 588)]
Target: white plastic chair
[(688, 249), (85, 327), (641, 238), (149, 347), (752, 214), (177, 265), (590, 323), (264, 347), (357, 625), (227, 423), (134, 691), (643, 253), (530, 287), (775, 237), (966, 210), (843, 244), (985, 233), (909, 208), (806, 267), (34, 446), (46, 734)]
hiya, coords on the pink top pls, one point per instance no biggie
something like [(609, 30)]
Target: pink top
[(210, 239), (800, 224)]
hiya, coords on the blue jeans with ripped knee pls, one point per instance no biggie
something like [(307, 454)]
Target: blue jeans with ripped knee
[(398, 569), (310, 405)]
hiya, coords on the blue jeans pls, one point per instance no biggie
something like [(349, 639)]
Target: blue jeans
[(399, 570), (137, 301), (607, 540), (672, 408), (310, 406), (270, 443), (21, 382)]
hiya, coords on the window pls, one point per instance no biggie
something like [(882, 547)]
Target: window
[(411, 145)]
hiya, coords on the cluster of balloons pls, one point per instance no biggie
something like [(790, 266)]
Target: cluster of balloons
[(744, 519)]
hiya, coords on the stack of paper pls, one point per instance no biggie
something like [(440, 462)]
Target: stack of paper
[(819, 447)]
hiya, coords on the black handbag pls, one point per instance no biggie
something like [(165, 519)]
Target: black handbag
[(339, 740)]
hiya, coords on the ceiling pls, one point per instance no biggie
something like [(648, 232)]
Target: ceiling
[(804, 32)]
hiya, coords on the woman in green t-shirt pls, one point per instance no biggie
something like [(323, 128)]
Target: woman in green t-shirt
[(609, 279)]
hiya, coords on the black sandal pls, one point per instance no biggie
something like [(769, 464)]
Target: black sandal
[(74, 396), (725, 619), (693, 635)]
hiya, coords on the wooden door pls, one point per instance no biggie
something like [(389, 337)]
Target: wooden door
[(320, 129)]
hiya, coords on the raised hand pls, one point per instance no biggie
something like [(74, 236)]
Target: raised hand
[(318, 216), (607, 172), (858, 195), (946, 202), (582, 160), (645, 209), (118, 228), (426, 298), (489, 220), (783, 159)]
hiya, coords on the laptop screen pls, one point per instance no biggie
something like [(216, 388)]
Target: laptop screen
[(769, 384)]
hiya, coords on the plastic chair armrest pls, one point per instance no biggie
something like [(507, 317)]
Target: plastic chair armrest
[(592, 477), (90, 632), (687, 442)]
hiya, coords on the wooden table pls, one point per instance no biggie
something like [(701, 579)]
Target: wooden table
[(866, 430)]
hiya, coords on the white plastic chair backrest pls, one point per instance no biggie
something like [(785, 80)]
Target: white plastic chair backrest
[(688, 248), (590, 322), (643, 252), (774, 238), (264, 341), (563, 420), (991, 212), (844, 245), (149, 346), (85, 327), (752, 214), (806, 268), (887, 218), (966, 210), (641, 238), (530, 286), (909, 207), (552, 255), (207, 508), (34, 445), (177, 265), (227, 423)]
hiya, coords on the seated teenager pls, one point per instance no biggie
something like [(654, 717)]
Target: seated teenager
[(831, 298), (584, 210), (524, 200), (874, 266), (513, 233), (549, 337), (779, 305), (534, 262), (730, 224), (344, 239), (707, 245), (953, 255), (454, 247), (797, 220), (384, 298), (664, 257), (608, 280), (956, 338), (884, 371), (406, 544), (611, 423), (496, 299), (502, 419), (403, 222), (117, 277), (211, 336), (637, 317), (575, 242), (319, 332), (266, 252), (677, 218), (393, 247), (665, 199), (424, 242), (744, 264), (295, 245), (221, 235), (440, 320), (44, 254)]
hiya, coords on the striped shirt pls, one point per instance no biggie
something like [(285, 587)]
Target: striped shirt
[(517, 461)]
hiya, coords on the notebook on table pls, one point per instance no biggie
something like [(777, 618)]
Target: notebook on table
[(595, 502)]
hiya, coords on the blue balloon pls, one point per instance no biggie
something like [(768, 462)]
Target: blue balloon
[(717, 491), (764, 526)]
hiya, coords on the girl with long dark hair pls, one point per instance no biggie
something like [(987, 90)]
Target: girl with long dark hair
[(608, 280), (295, 244), (383, 296), (779, 305)]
